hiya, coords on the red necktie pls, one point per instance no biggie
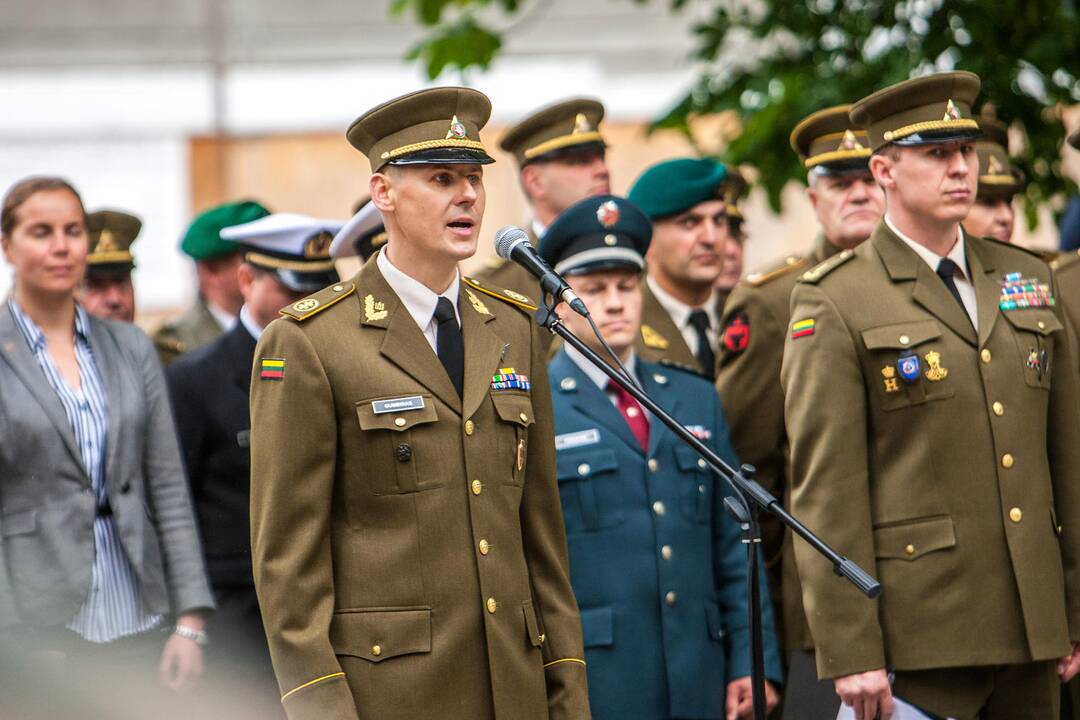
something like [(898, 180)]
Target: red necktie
[(632, 413)]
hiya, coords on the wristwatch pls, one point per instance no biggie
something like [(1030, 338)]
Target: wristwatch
[(197, 636)]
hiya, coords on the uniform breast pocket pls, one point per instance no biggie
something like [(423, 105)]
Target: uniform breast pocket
[(588, 481), (1034, 331), (516, 415), (906, 364), (395, 427), (695, 484)]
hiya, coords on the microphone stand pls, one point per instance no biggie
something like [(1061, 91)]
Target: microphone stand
[(749, 499)]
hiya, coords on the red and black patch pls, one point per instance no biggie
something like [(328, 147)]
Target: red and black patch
[(737, 333)]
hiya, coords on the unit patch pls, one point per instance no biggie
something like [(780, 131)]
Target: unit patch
[(737, 333), (272, 369), (802, 328)]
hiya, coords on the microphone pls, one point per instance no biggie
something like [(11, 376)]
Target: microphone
[(512, 243)]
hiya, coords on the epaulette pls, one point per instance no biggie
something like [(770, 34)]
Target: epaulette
[(653, 339), (169, 343), (696, 371), (791, 263), (314, 304), (508, 296), (823, 268), (1065, 261)]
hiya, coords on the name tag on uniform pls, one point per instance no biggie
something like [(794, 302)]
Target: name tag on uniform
[(416, 402), (577, 439), (243, 438)]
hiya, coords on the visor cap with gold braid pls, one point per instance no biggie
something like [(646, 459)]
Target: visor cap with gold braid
[(111, 235), (830, 144), (556, 130), (437, 126), (997, 176), (924, 110), (294, 248)]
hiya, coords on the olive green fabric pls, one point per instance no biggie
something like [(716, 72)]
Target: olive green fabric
[(1010, 692), (202, 241), (997, 176), (446, 118), (410, 563), (111, 234), (660, 340), (568, 124), (957, 490), (195, 328), (674, 186), (828, 137), (935, 108)]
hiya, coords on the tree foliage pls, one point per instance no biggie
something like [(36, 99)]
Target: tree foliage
[(772, 62)]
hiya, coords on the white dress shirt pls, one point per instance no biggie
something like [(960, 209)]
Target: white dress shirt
[(248, 321), (680, 314), (224, 319), (964, 284), (417, 298)]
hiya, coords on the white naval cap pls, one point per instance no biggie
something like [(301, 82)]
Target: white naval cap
[(362, 234), (295, 248)]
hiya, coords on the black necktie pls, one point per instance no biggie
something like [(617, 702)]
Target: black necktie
[(448, 343), (947, 270), (699, 320)]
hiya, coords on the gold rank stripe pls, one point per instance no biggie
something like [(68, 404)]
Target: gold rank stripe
[(432, 145), (309, 683), (564, 660), (835, 155)]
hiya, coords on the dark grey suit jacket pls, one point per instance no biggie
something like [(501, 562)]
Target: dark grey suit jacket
[(47, 508)]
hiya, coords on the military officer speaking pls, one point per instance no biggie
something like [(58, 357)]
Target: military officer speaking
[(106, 290), (993, 215), (848, 204), (685, 199), (930, 399), (285, 257), (657, 566), (407, 538)]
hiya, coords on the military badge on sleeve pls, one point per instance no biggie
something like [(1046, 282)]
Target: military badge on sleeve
[(802, 328), (272, 369), (737, 333)]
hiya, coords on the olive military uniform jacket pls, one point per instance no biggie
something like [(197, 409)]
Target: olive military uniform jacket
[(958, 487), (193, 329), (1067, 273), (656, 563), (660, 339), (755, 323), (407, 545)]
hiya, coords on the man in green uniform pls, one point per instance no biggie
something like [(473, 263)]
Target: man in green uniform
[(407, 539), (735, 245), (216, 263), (992, 215), (561, 154), (685, 199), (107, 291), (930, 397), (848, 204)]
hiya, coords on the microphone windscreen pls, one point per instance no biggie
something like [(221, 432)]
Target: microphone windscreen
[(506, 238)]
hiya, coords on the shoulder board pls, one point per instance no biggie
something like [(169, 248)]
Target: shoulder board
[(314, 304), (508, 296), (681, 366), (825, 267), (1065, 260), (791, 263), (653, 339), (168, 342)]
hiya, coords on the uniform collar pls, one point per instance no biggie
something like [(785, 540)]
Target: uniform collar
[(598, 376), (931, 258), (417, 298), (680, 311)]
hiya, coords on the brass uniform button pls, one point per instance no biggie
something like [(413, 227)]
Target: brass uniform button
[(985, 355), (910, 549), (492, 605), (400, 422), (1042, 325), (665, 552), (1007, 461), (469, 427), (904, 339), (671, 598), (485, 547), (999, 409), (524, 417), (653, 465), (376, 650), (1016, 514), (658, 508), (583, 469), (477, 487)]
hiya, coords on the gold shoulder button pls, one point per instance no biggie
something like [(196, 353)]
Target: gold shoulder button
[(314, 304), (814, 274), (508, 296), (790, 264)]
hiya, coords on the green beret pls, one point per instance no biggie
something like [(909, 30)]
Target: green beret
[(202, 241), (599, 233), (674, 186)]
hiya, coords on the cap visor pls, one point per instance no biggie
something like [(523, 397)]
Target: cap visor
[(304, 282), (444, 156), (570, 151), (843, 167)]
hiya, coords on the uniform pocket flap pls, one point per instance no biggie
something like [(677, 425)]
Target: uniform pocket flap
[(532, 628), (1036, 320), (598, 626), (913, 539), (687, 459), (19, 523), (574, 465), (395, 413), (713, 620), (513, 407), (900, 335), (377, 635)]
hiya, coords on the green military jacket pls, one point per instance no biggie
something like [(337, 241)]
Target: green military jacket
[(195, 328), (958, 486), (408, 546), (755, 321), (660, 340), (1067, 273)]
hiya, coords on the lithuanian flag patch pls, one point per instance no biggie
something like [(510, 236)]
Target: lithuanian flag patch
[(802, 328), (272, 369)]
